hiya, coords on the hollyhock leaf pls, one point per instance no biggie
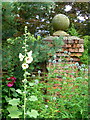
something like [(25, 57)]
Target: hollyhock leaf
[(12, 89), (12, 108), (14, 112), (19, 91), (33, 113), (15, 94), (28, 113), (14, 101), (33, 98), (7, 99)]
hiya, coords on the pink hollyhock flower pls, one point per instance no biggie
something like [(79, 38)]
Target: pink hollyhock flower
[(10, 84), (13, 78), (8, 78)]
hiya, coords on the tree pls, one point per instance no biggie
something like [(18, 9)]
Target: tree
[(38, 17)]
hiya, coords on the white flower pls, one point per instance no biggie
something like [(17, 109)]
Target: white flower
[(39, 71), (79, 67), (33, 75), (54, 61), (46, 106), (29, 59), (65, 52), (71, 59), (59, 60), (69, 53), (83, 65), (49, 60), (54, 98), (29, 53), (21, 57), (64, 77), (86, 69), (36, 81), (54, 56), (25, 66), (77, 64)]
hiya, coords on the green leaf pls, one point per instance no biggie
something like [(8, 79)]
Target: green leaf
[(14, 101), (14, 111), (7, 99), (33, 98), (15, 94), (33, 113), (19, 91), (12, 89), (12, 108)]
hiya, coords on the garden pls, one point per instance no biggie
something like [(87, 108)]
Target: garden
[(39, 81)]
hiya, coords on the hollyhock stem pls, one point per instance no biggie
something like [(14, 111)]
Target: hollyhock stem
[(9, 92), (25, 78)]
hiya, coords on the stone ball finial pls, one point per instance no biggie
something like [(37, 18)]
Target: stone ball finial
[(60, 22)]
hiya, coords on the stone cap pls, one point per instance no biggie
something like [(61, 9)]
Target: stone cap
[(66, 39)]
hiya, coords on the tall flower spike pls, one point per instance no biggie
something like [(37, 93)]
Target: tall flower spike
[(29, 53), (21, 57), (25, 66), (29, 59)]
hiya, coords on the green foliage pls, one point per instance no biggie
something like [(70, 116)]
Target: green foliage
[(38, 17), (66, 98), (84, 58), (33, 113), (33, 98), (41, 52), (14, 101), (14, 111), (72, 31), (8, 23)]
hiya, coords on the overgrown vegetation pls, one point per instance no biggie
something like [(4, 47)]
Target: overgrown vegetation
[(53, 94), (33, 84)]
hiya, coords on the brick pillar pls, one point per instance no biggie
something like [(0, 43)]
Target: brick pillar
[(72, 44)]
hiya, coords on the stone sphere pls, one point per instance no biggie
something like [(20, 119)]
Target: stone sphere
[(60, 22)]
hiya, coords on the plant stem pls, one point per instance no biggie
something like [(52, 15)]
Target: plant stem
[(25, 96), (9, 92), (25, 78)]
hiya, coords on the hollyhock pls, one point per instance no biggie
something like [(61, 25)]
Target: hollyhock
[(13, 78), (25, 66), (29, 53), (29, 59), (8, 78), (21, 57), (10, 84)]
